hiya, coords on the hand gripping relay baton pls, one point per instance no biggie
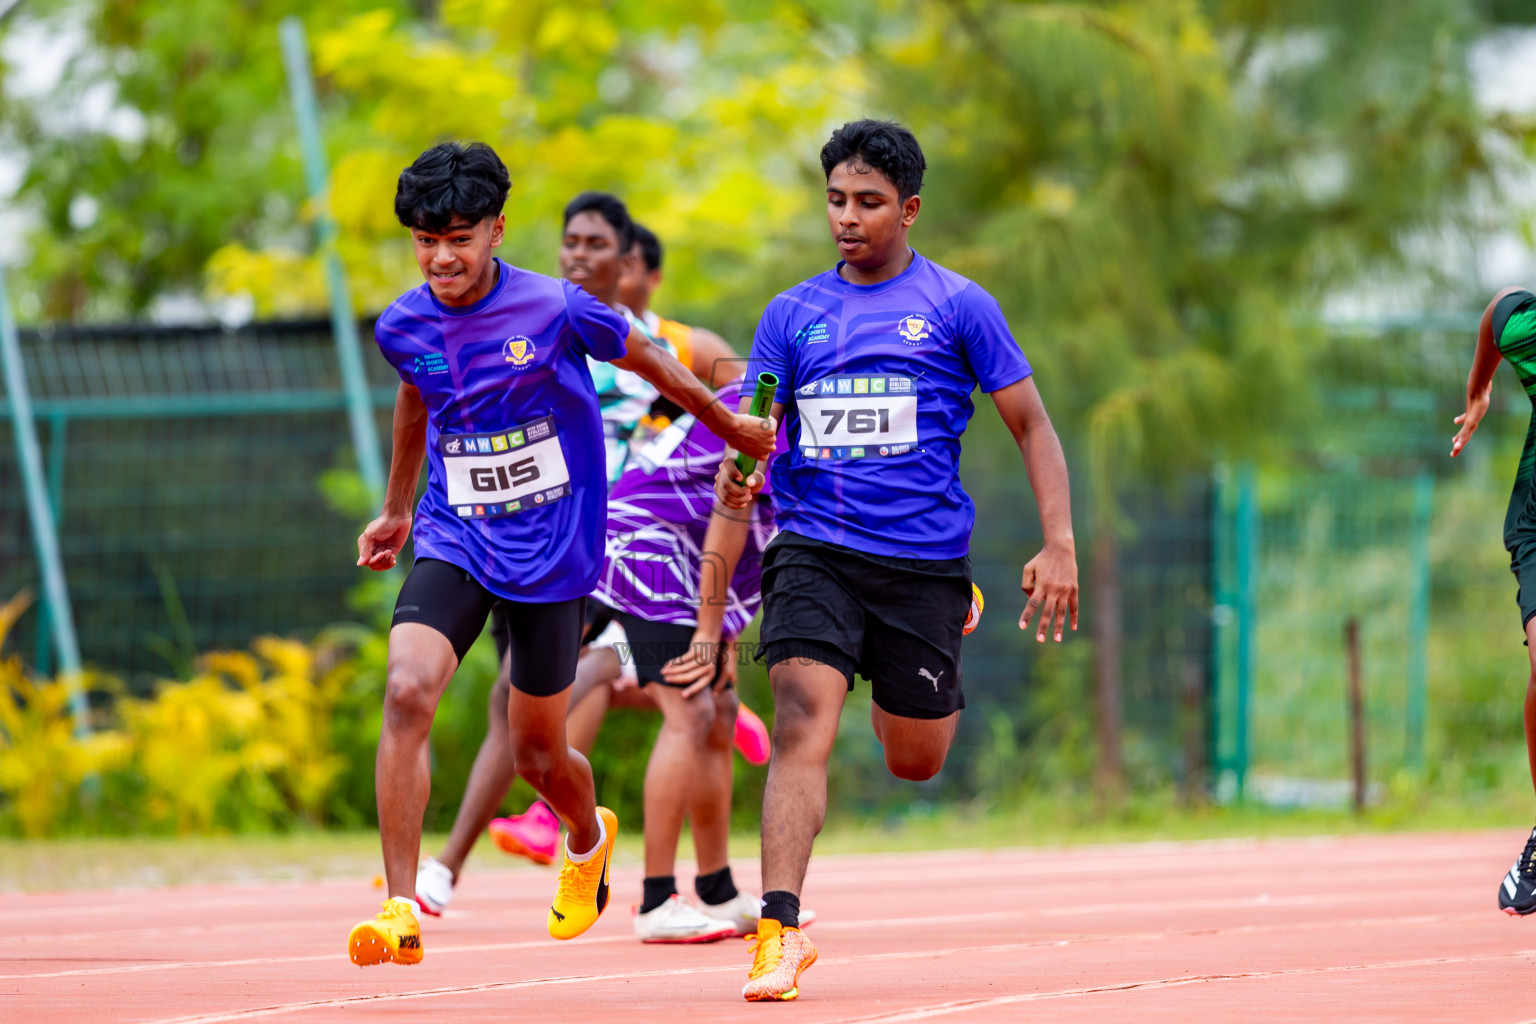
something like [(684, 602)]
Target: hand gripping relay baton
[(762, 403)]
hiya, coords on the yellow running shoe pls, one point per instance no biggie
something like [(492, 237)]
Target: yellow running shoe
[(581, 895), (391, 936), (779, 955)]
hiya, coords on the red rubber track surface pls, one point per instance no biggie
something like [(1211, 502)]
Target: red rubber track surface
[(1394, 928)]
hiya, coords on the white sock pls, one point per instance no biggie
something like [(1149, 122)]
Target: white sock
[(415, 907), (582, 858)]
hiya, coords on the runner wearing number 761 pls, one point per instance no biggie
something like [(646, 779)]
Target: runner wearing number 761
[(870, 574)]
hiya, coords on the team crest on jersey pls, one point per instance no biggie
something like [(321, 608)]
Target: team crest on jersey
[(518, 351), (913, 329)]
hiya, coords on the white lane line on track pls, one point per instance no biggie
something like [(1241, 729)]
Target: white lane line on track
[(1058, 941), (311, 958), (920, 1013), (1250, 902), (817, 882), (968, 1005), (1017, 862)]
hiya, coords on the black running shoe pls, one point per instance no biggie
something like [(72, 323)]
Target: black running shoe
[(1517, 893)]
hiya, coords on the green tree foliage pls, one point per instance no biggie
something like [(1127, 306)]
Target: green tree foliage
[(1159, 192)]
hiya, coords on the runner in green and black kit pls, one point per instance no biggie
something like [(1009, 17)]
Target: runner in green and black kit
[(1508, 331)]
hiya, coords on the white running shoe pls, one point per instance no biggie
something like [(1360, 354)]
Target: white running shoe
[(744, 911), (434, 887), (676, 921)]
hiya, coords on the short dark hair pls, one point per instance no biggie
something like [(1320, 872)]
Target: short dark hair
[(452, 180), (650, 246), (884, 145), (609, 207)]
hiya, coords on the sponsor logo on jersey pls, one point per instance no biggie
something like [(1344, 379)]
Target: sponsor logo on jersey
[(499, 443), (913, 329), (810, 453), (453, 446), (518, 351), (857, 453)]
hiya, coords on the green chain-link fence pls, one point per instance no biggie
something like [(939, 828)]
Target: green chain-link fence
[(183, 466)]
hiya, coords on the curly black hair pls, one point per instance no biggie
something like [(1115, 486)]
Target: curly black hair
[(451, 180), (609, 207), (883, 145)]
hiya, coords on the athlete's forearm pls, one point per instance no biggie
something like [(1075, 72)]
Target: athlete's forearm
[(724, 540), (1485, 358), (1046, 466), (1045, 463), (673, 380), (410, 447)]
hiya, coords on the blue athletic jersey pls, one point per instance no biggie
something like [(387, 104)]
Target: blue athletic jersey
[(516, 491), (876, 383)]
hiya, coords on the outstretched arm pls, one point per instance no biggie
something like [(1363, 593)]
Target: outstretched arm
[(673, 379), (383, 538), (1485, 360), (1050, 578)]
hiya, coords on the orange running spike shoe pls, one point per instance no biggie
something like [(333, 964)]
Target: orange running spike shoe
[(779, 955), (581, 895), (393, 936)]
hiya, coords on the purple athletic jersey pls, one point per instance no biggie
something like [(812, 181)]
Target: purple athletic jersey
[(876, 383), (515, 483), (657, 516)]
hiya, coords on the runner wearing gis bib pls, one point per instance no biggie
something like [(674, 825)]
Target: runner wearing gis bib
[(876, 360), (496, 395)]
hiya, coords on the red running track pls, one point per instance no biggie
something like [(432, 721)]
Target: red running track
[(1388, 928)]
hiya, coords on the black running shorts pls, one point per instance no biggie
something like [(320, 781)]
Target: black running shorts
[(895, 621), (545, 638), (650, 644)]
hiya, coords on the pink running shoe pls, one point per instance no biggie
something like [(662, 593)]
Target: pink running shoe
[(752, 736), (534, 834)]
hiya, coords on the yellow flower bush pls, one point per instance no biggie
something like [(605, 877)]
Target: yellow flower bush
[(246, 743)]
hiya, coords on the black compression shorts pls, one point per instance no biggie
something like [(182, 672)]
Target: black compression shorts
[(895, 621), (544, 638)]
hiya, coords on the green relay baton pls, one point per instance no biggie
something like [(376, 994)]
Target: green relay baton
[(762, 402)]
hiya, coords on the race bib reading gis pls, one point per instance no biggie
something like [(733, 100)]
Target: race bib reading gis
[(499, 474), (853, 417)]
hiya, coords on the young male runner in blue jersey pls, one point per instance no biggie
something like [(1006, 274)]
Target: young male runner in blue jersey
[(876, 361), (496, 394)]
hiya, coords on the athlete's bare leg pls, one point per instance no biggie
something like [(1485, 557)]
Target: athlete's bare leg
[(560, 775), (672, 771), (808, 699), (709, 804), (489, 779), (915, 748), (421, 662)]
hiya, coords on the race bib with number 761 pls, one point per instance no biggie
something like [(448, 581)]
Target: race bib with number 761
[(503, 473), (854, 417)]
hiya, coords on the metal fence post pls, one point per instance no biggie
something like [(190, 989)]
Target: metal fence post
[(301, 88), (1418, 619), (44, 529), (1247, 619)]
